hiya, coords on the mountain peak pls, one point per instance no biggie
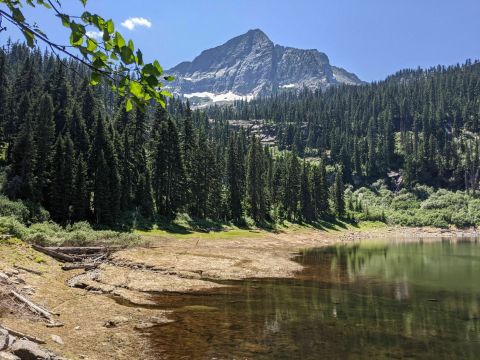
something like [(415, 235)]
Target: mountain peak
[(251, 64), (256, 32)]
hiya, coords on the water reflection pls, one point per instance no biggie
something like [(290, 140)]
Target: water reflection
[(369, 300)]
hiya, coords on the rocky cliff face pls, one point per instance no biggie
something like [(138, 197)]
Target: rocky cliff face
[(251, 64)]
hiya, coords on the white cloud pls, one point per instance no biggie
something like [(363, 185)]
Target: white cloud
[(132, 22), (94, 34)]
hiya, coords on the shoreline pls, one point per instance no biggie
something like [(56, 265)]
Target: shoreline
[(169, 265)]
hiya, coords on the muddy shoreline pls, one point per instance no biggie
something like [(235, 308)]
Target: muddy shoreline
[(96, 326)]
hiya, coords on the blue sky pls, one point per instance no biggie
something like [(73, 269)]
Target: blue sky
[(373, 38)]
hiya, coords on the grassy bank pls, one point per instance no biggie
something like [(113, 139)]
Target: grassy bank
[(183, 227)]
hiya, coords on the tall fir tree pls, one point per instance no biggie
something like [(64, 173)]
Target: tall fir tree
[(338, 193)]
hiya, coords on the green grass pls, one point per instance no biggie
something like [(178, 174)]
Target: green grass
[(180, 230), (220, 234)]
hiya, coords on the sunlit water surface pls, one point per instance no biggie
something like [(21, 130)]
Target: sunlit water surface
[(372, 300)]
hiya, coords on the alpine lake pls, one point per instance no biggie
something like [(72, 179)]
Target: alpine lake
[(375, 299)]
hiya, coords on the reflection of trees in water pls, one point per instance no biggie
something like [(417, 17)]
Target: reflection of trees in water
[(340, 308)]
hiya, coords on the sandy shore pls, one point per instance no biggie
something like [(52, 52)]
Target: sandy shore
[(98, 326)]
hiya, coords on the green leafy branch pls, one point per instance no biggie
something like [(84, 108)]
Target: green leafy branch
[(112, 59)]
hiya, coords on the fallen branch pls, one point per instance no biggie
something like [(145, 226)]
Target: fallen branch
[(28, 270), (55, 254), (87, 250), (22, 335), (32, 306), (55, 325), (79, 266)]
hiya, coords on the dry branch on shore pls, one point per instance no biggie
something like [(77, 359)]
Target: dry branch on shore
[(22, 335), (34, 307), (28, 270), (55, 254)]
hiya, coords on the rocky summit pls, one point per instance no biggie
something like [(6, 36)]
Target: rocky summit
[(250, 65)]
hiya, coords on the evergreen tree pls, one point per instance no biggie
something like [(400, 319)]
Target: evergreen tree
[(234, 178), (81, 195), (21, 178), (168, 170), (306, 206), (292, 187), (338, 194), (44, 143), (255, 181), (106, 201)]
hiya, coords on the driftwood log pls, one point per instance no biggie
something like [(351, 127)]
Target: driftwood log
[(22, 335), (83, 250), (34, 307), (27, 270), (55, 254)]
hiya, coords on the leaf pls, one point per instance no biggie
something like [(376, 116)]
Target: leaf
[(76, 38), (149, 69), (152, 81), (84, 2), (139, 57), (128, 105), (158, 67), (84, 51), (95, 79), (17, 15), (65, 20), (136, 89), (29, 37), (110, 26), (119, 40), (106, 35), (166, 93), (91, 45), (127, 55), (98, 63), (87, 17), (169, 78)]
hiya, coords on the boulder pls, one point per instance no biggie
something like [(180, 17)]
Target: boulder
[(4, 339), (8, 356), (57, 339), (28, 350)]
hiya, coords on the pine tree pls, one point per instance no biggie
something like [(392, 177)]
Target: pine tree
[(306, 206), (234, 177), (44, 142), (106, 201), (338, 194), (21, 179), (292, 187), (255, 181), (81, 195), (168, 170), (60, 200), (200, 176)]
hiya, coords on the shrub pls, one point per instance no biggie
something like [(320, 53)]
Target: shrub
[(25, 212), (10, 225)]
